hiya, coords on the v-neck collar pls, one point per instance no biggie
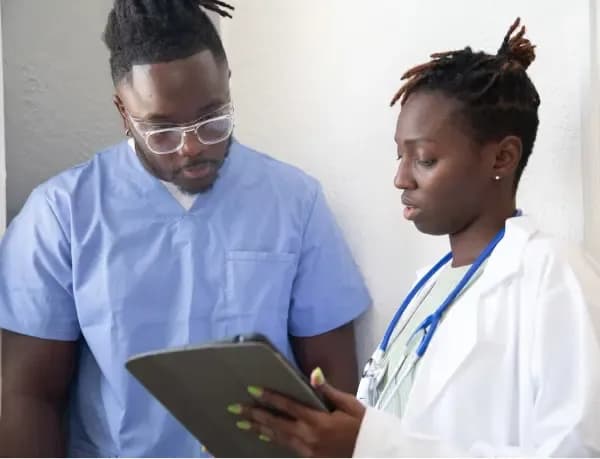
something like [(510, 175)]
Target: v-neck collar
[(160, 198)]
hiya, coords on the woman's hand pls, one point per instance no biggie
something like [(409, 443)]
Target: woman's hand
[(309, 432)]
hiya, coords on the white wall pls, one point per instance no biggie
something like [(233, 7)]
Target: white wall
[(591, 135), (312, 80)]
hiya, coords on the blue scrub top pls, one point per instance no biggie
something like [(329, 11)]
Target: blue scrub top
[(105, 255)]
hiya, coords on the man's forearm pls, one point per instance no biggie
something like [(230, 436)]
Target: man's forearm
[(334, 352), (31, 428), (343, 376)]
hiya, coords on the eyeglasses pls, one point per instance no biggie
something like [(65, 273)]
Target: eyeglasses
[(168, 140)]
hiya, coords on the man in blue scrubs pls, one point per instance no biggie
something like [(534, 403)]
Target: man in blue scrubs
[(180, 235)]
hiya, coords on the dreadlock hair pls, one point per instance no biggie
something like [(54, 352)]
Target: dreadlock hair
[(150, 31), (498, 98)]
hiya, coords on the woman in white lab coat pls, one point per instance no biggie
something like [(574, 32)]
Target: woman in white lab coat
[(496, 350)]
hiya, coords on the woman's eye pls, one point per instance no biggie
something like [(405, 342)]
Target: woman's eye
[(426, 162)]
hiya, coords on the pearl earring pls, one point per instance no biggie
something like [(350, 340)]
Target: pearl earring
[(497, 177)]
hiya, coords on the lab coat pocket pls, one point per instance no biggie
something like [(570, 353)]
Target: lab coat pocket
[(259, 284)]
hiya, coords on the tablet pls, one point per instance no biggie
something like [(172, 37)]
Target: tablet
[(197, 384)]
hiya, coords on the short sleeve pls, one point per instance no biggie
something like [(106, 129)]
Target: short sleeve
[(329, 290), (36, 296)]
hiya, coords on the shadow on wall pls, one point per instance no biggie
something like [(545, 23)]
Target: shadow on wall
[(57, 90)]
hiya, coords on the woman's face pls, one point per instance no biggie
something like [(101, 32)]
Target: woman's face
[(446, 176)]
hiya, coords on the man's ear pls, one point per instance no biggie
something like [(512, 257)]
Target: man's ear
[(121, 109)]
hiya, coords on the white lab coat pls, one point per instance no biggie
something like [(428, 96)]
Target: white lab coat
[(514, 368)]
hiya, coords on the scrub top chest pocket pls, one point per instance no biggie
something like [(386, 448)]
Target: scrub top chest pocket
[(258, 284)]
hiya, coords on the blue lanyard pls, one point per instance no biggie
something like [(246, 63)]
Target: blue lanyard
[(429, 325)]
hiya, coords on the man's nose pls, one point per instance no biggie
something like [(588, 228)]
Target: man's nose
[(191, 145)]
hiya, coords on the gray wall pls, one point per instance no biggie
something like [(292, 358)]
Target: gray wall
[(58, 92)]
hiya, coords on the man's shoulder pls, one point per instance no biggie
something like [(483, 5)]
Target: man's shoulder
[(276, 171), (82, 175)]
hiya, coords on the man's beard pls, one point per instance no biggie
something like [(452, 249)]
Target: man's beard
[(217, 165)]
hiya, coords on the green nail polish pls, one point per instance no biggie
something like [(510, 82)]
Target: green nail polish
[(243, 425), (255, 391), (317, 378), (235, 409), (264, 438)]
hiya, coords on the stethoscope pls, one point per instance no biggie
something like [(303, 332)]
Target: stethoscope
[(375, 371)]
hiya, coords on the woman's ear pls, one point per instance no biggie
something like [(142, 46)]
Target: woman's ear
[(507, 157)]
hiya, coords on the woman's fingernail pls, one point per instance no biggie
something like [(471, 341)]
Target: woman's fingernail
[(256, 392), (243, 425), (264, 438), (235, 409), (317, 378)]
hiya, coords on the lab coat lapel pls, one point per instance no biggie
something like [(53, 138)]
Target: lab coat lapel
[(449, 349), (506, 259)]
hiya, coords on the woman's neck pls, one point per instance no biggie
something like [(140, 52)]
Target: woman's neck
[(468, 243)]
